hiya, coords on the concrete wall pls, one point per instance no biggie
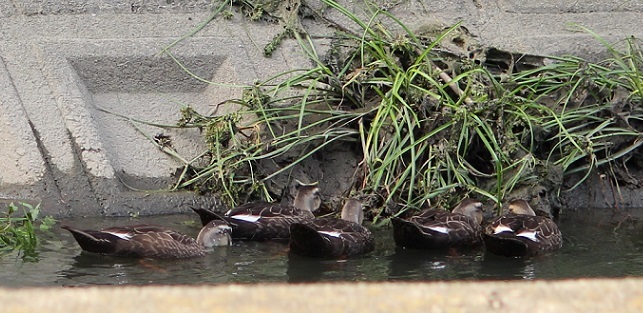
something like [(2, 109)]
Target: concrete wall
[(74, 75)]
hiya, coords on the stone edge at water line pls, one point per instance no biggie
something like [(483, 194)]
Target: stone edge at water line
[(582, 295)]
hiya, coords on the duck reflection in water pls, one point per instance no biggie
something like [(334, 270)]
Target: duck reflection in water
[(499, 267), (421, 264), (88, 268), (303, 269)]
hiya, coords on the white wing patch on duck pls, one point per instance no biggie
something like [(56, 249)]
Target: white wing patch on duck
[(531, 235), (246, 217), (440, 229), (331, 233), (124, 236), (501, 228)]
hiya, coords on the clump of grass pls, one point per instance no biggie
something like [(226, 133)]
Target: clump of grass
[(595, 116), (432, 118), (19, 233), (238, 154)]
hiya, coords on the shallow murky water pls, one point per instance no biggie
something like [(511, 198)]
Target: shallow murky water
[(596, 245)]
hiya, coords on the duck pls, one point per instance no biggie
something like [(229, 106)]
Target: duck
[(440, 229), (152, 241), (265, 220), (329, 237), (521, 232)]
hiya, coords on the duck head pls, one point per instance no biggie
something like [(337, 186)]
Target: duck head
[(520, 206), (471, 208), (308, 196), (353, 211), (215, 233)]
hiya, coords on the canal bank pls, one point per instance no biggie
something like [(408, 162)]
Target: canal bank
[(67, 67)]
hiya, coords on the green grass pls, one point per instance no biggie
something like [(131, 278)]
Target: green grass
[(430, 125), (19, 233)]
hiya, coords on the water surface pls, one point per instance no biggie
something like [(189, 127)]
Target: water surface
[(596, 244)]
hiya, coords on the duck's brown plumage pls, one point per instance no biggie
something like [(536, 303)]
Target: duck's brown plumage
[(264, 220), (151, 241), (521, 233), (333, 237), (441, 229)]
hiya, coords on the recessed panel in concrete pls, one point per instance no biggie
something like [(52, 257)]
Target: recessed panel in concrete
[(137, 74), (569, 6), (135, 99)]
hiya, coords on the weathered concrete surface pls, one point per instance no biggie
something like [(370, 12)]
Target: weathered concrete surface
[(70, 71), (618, 295)]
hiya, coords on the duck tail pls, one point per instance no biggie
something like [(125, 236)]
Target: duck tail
[(506, 246), (305, 240), (405, 233), (207, 216), (93, 241)]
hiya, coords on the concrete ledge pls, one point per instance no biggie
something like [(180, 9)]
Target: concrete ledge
[(595, 295)]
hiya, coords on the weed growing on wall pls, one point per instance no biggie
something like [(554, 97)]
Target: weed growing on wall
[(19, 233), (433, 116)]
